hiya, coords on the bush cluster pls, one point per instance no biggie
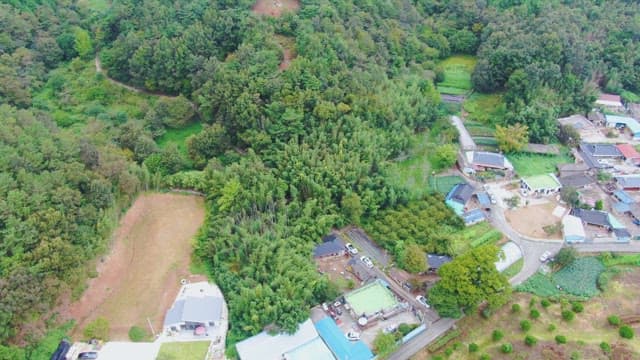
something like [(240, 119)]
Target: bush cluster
[(506, 348), (568, 315), (626, 332), (606, 348), (497, 335), (577, 307), (534, 314), (561, 339), (530, 340), (614, 320), (545, 303), (473, 347), (515, 308), (525, 325)]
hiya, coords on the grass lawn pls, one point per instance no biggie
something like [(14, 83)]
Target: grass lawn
[(583, 334), (414, 171), (474, 236), (457, 74), (179, 136), (514, 269), (536, 164), (183, 350), (444, 184), (485, 108)]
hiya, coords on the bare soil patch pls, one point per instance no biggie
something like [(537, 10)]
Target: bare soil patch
[(288, 50), (530, 220), (140, 277), (275, 8)]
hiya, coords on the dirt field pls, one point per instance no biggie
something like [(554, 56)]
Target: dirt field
[(583, 334), (530, 220), (275, 8), (140, 277)]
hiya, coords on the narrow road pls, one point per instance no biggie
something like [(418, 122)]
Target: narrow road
[(466, 142), (364, 243), (417, 343)]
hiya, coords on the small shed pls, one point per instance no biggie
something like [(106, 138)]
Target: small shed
[(610, 101), (629, 153), (541, 184), (623, 197), (624, 122), (436, 261), (573, 230), (473, 217), (628, 182), (331, 246)]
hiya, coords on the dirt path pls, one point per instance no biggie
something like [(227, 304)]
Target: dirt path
[(275, 8), (140, 277)]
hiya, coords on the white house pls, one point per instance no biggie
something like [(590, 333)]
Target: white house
[(573, 229), (198, 309)]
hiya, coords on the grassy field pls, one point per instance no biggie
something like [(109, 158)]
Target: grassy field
[(444, 184), (183, 350), (536, 164), (486, 109), (413, 172), (140, 277), (514, 269), (583, 334), (457, 74), (179, 136), (474, 236)]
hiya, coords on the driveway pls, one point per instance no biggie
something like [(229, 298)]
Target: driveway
[(364, 243), (466, 142)]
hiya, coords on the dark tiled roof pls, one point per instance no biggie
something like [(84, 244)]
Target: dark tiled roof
[(435, 261), (484, 158), (601, 150), (461, 193), (332, 244), (629, 181), (576, 181), (573, 167), (593, 217), (622, 233)]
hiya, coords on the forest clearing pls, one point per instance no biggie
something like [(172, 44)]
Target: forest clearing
[(275, 8), (140, 277)]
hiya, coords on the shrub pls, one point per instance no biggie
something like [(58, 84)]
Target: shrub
[(577, 307), (97, 329), (532, 302), (437, 357), (614, 320), (551, 328), (561, 339), (545, 303), (568, 315), (473, 347), (530, 340), (534, 314), (515, 308), (497, 335), (606, 348), (485, 357), (137, 334), (525, 325), (575, 356), (457, 345), (448, 352), (626, 332), (486, 313), (506, 348)]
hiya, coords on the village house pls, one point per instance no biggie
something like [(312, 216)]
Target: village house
[(197, 310), (565, 170), (331, 246), (628, 182), (624, 122), (474, 161), (540, 184), (629, 154), (610, 102), (599, 156), (458, 197)]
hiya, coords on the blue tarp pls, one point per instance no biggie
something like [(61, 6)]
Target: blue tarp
[(623, 197), (342, 348)]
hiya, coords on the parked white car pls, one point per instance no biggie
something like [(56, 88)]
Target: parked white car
[(367, 261), (545, 256), (351, 249), (422, 300)]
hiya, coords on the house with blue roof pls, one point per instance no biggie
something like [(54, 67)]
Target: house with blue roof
[(340, 346), (624, 122), (458, 197)]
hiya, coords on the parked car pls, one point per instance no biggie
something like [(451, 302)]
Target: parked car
[(353, 336), (89, 355), (493, 199), (422, 300), (61, 351), (636, 221), (352, 250), (545, 256), (367, 261)]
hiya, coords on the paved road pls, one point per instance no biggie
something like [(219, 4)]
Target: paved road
[(362, 242), (632, 247), (425, 338), (466, 142)]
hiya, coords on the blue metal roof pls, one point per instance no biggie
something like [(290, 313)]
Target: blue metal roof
[(483, 198), (621, 207), (473, 216), (623, 197), (336, 340)]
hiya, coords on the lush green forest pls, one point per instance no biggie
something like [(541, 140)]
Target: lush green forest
[(283, 155)]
